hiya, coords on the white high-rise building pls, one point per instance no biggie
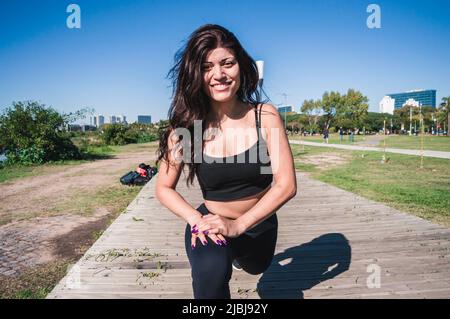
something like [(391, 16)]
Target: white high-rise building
[(387, 105)]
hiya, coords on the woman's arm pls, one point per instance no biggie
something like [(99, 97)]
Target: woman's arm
[(166, 183), (285, 183)]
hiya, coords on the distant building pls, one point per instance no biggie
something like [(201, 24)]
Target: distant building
[(112, 119), (387, 105), (74, 127), (144, 119), (286, 108), (85, 128), (416, 97), (100, 120)]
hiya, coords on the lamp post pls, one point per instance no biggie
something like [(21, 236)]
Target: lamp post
[(383, 159), (285, 104), (421, 135), (410, 120), (260, 67)]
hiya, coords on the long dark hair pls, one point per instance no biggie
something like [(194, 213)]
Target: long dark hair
[(189, 101)]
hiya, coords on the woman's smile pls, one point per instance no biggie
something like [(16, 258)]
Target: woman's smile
[(222, 86)]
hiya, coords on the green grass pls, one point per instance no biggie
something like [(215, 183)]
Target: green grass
[(35, 283), (432, 143), (399, 183), (114, 197)]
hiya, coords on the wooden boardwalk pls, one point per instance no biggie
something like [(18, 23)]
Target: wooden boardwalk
[(331, 244)]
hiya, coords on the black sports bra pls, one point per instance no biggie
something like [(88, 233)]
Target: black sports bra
[(236, 176)]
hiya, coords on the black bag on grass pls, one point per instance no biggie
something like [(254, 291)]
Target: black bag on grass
[(129, 178), (141, 176)]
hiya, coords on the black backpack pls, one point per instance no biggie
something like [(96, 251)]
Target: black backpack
[(129, 178), (134, 178)]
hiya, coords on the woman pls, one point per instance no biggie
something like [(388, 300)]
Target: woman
[(215, 81)]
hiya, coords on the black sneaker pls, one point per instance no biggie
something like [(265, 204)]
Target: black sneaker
[(236, 265)]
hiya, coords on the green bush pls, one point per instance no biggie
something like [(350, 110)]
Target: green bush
[(30, 133), (118, 134)]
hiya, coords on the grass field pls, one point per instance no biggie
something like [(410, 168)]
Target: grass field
[(333, 138), (399, 183), (432, 143)]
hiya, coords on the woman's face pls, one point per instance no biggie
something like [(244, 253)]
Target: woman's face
[(221, 75)]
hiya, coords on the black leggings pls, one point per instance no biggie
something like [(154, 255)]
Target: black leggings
[(212, 264)]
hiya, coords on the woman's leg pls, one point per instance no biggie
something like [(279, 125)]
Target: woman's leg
[(211, 266), (254, 251)]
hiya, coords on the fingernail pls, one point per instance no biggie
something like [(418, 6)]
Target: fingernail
[(224, 242), (193, 246), (219, 242), (204, 243), (205, 232), (194, 231), (195, 226)]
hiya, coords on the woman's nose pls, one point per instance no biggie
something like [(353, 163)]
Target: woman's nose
[(218, 72)]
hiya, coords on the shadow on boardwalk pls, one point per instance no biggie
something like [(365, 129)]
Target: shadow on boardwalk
[(302, 267)]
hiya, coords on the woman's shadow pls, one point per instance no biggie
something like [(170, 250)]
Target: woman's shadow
[(302, 267)]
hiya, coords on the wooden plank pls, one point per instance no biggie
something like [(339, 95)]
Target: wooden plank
[(413, 254)]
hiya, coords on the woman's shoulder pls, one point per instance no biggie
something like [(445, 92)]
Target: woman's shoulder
[(267, 108), (269, 114)]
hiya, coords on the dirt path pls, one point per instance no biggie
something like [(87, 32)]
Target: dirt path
[(32, 234)]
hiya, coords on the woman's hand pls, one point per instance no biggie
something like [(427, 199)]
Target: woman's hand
[(218, 225), (218, 239)]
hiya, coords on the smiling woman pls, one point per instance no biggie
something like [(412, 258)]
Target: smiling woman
[(215, 82)]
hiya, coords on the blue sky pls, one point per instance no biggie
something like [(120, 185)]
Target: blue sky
[(118, 61)]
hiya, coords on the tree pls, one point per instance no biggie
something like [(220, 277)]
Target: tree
[(445, 109), (330, 104), (78, 115), (31, 133), (311, 109), (353, 106)]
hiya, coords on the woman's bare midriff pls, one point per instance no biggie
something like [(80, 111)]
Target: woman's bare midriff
[(236, 208)]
